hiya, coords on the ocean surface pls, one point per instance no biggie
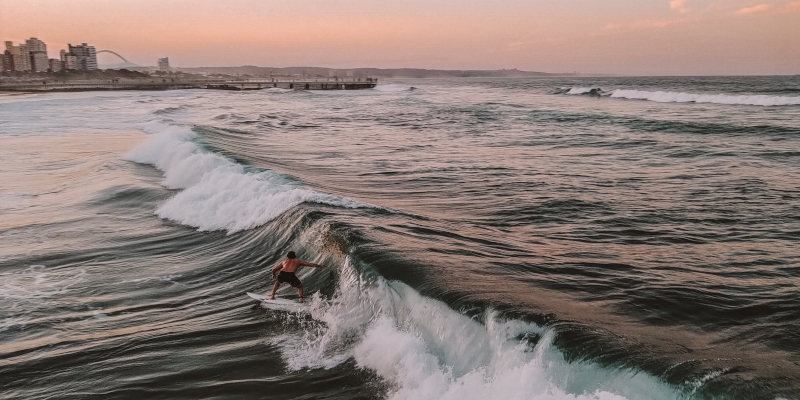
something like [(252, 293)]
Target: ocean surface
[(540, 238)]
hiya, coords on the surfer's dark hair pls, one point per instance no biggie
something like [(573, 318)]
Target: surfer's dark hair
[(291, 255)]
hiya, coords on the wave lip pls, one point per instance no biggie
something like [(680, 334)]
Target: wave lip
[(219, 194)]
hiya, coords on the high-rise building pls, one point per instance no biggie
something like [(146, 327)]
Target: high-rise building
[(37, 50), (20, 58), (8, 61), (39, 61), (86, 55), (3, 62), (163, 64), (70, 60), (35, 44)]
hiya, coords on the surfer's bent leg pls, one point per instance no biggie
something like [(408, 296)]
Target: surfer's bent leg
[(274, 289), (300, 292)]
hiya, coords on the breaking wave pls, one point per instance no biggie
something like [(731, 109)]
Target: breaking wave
[(425, 350), (681, 97), (216, 193)]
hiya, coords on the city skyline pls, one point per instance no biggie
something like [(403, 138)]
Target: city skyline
[(31, 55), (660, 37)]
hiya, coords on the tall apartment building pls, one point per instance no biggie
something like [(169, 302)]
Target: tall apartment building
[(37, 50), (20, 59), (86, 56), (163, 64), (69, 60), (8, 61)]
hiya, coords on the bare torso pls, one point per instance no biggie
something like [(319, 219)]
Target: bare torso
[(290, 264)]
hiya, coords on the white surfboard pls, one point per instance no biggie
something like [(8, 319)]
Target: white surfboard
[(280, 304)]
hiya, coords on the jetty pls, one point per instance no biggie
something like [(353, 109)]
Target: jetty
[(166, 83)]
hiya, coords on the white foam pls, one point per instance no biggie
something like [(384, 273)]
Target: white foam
[(219, 194), (579, 90), (278, 90), (37, 282), (425, 350), (679, 97), (33, 288), (393, 88)]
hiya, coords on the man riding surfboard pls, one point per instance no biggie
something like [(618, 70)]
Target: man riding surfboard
[(286, 273)]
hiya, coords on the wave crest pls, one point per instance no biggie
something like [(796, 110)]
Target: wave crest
[(681, 97), (219, 194)]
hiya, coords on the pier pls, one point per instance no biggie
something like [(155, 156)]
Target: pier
[(158, 83)]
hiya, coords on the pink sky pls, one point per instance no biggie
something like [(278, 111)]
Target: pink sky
[(655, 37)]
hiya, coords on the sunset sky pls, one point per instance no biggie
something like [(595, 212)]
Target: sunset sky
[(643, 37)]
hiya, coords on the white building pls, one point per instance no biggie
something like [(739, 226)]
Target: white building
[(39, 62), (86, 56), (38, 55), (35, 44), (20, 59), (163, 64), (69, 60)]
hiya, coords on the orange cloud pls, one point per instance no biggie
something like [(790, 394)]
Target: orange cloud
[(678, 5), (754, 9), (642, 24), (793, 5), (655, 23)]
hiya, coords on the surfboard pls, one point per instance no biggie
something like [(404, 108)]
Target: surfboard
[(280, 304)]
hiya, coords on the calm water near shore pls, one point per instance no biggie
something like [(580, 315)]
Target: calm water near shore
[(559, 238)]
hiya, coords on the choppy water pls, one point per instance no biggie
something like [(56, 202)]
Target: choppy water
[(558, 238)]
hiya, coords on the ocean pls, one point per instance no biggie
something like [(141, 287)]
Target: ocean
[(486, 238)]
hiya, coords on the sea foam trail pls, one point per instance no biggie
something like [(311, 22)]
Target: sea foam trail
[(579, 90), (219, 194), (426, 350), (393, 88), (680, 97)]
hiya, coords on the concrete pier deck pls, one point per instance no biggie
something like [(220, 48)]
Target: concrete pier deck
[(158, 83)]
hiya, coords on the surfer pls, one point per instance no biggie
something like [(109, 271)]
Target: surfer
[(285, 273)]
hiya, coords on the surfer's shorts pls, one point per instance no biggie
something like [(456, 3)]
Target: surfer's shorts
[(290, 278)]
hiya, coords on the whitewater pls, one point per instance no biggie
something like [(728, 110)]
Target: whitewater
[(486, 238)]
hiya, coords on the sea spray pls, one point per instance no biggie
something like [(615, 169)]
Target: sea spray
[(425, 350)]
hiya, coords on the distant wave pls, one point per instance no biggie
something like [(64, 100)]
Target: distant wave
[(580, 91), (680, 97), (217, 193), (393, 88), (278, 90)]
